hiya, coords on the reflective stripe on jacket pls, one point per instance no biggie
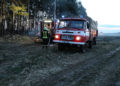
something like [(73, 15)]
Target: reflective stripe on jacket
[(45, 34)]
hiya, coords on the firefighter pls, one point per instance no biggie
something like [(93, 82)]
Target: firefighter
[(45, 35)]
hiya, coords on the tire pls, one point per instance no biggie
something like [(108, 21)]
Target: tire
[(60, 47), (90, 45), (94, 41), (83, 48)]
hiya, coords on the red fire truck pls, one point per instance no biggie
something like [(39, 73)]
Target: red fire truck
[(76, 31)]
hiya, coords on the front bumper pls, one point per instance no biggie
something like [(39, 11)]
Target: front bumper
[(69, 42)]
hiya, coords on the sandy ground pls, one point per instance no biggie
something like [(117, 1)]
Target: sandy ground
[(28, 64)]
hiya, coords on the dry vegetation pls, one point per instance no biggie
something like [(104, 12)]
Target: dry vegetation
[(23, 63)]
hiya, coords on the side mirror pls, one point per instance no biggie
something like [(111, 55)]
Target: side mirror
[(88, 26)]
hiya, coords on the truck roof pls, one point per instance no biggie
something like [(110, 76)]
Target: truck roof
[(82, 19)]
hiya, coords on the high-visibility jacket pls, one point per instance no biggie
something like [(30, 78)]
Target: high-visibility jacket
[(45, 34)]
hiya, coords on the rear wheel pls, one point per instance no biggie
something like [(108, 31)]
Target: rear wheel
[(94, 41), (90, 44)]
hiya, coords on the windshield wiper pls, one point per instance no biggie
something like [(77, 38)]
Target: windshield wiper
[(63, 27), (75, 28)]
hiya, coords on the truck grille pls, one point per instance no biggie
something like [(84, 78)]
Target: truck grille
[(67, 37)]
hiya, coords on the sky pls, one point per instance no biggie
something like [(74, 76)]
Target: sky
[(106, 12)]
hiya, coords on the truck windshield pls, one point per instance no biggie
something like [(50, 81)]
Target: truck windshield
[(64, 24), (71, 24)]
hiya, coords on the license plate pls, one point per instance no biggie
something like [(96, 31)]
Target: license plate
[(67, 37)]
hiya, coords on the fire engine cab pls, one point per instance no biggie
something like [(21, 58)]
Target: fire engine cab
[(76, 31)]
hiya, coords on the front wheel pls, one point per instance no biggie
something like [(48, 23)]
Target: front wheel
[(83, 48), (60, 47)]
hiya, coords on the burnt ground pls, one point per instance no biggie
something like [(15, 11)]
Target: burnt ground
[(23, 63)]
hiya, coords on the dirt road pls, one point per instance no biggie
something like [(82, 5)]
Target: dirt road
[(32, 65)]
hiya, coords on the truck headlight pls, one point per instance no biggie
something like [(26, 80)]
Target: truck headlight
[(57, 36), (78, 38)]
